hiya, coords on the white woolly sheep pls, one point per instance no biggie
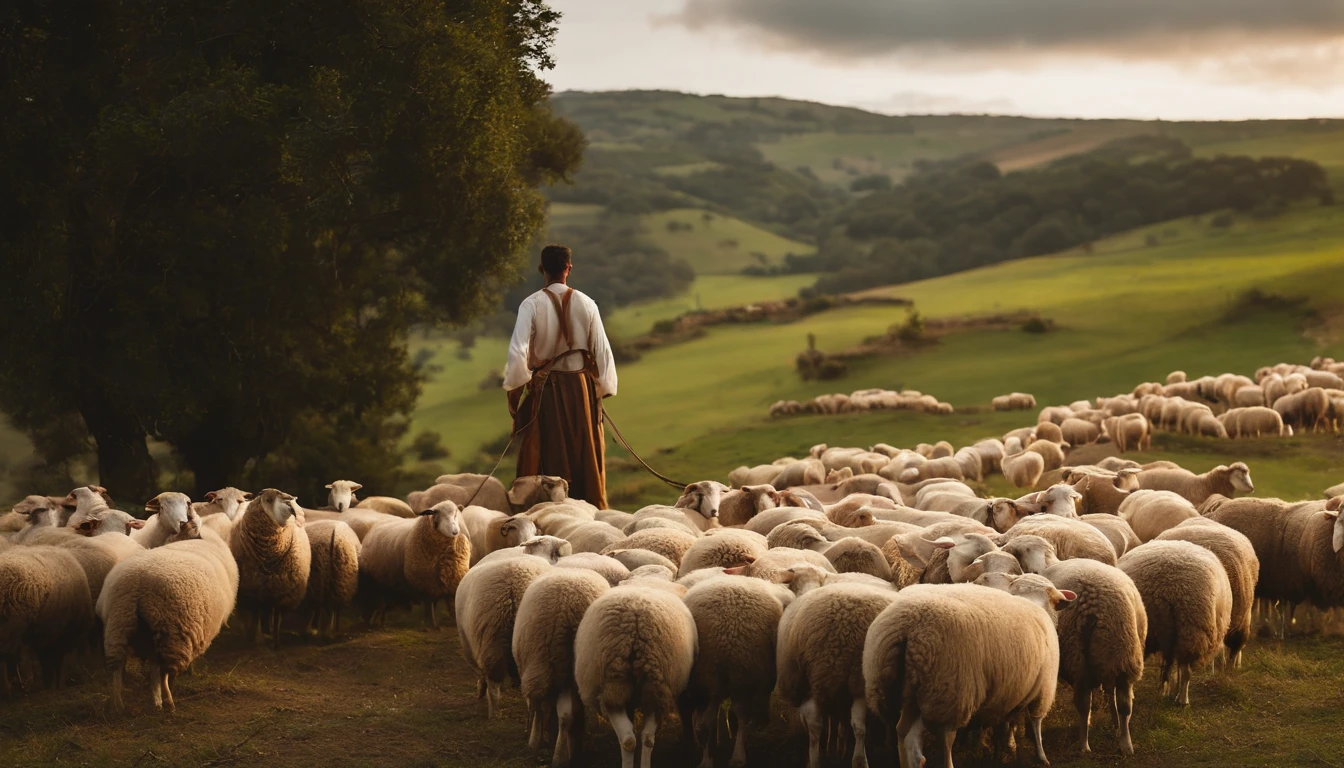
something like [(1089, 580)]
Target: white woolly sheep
[(487, 604), (333, 573), (421, 560), (944, 656), (1188, 600), (44, 607), (543, 647), (854, 555), (738, 506), (724, 547), (637, 558), (1150, 513), (820, 647), (1237, 556), (670, 543), (167, 605), (736, 621), (1224, 480), (1116, 530), (634, 651), (489, 530), (1049, 450), (1070, 538), (167, 515), (273, 558), (607, 567), (1024, 470)]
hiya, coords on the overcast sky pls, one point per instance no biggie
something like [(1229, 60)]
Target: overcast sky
[(1172, 59)]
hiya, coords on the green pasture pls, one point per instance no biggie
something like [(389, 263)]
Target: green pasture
[(714, 244)]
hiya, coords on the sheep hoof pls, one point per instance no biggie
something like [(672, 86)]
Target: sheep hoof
[(628, 744)]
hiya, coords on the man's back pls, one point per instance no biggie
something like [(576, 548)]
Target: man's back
[(537, 337)]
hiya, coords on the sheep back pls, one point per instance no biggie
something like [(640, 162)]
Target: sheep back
[(543, 632), (635, 649)]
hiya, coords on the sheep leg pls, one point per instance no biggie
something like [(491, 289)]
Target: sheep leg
[(1183, 688), (704, 728), (564, 713), (949, 738), (164, 682), (1082, 702), (492, 692), (118, 682), (858, 721), (431, 621), (51, 660), (739, 759), (812, 720), (152, 671), (1040, 742), (1166, 675), (275, 628), (1123, 702), (534, 733), (625, 734), (647, 734), (910, 738)]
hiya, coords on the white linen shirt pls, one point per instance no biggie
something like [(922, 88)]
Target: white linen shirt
[(537, 338)]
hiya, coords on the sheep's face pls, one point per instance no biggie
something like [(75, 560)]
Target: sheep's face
[(85, 498), (191, 529), (1040, 591), (763, 497), (447, 518), (863, 518), (1034, 553), (39, 510), (1007, 512), (110, 521), (535, 489), (549, 548), (229, 500), (172, 509), (1062, 500), (703, 498), (342, 494), (1240, 475), (801, 578), (280, 506), (516, 530)]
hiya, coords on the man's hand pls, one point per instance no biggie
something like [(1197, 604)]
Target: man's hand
[(515, 397)]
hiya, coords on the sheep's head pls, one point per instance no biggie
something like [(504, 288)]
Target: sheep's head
[(516, 530), (342, 496), (1007, 512), (650, 571), (172, 509), (531, 490), (191, 529), (280, 506), (998, 580), (839, 475), (1040, 591), (229, 500), (445, 518), (549, 548), (40, 510), (963, 549), (817, 450), (1034, 553), (1240, 476), (703, 497), (86, 497), (763, 497), (796, 497), (107, 520), (801, 577), (862, 518), (1062, 500)]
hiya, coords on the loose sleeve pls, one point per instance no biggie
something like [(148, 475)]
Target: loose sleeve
[(601, 349), (516, 371)]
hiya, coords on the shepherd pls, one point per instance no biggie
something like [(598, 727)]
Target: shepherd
[(560, 368)]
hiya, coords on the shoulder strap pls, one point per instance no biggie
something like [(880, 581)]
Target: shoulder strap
[(562, 311)]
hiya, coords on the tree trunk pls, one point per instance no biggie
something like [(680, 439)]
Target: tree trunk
[(125, 467)]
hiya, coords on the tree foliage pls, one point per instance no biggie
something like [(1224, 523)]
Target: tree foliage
[(220, 219)]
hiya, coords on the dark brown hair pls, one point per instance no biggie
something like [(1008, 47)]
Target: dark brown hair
[(554, 259)]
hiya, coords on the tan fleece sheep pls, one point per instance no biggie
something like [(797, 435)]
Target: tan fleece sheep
[(1050, 451), (167, 515), (1237, 556), (487, 603), (1103, 493), (543, 647), (273, 558), (1130, 432), (1116, 530), (738, 506), (634, 652), (167, 605), (99, 542), (819, 653), (489, 530), (1224, 480), (782, 558), (854, 555), (1025, 469), (1070, 538), (525, 492), (736, 621), (421, 560), (724, 547), (609, 568), (44, 607), (1101, 638), (386, 505), (1150, 513), (333, 574), (1188, 599), (670, 543), (1079, 432), (942, 657), (637, 558)]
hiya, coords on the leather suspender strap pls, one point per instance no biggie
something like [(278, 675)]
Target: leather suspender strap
[(562, 310)]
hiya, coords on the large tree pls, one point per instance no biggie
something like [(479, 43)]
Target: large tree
[(218, 219)]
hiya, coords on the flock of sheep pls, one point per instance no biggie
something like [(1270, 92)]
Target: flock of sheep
[(855, 585), (865, 400)]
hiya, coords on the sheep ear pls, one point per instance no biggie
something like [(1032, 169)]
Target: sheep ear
[(328, 486), (137, 524), (247, 496), (211, 496), (1336, 504), (738, 570), (944, 543), (152, 505), (98, 489)]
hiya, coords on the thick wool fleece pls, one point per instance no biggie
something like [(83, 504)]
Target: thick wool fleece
[(634, 650), (273, 561)]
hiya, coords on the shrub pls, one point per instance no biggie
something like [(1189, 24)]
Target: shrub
[(1036, 325), (912, 330), (832, 368), (428, 445)]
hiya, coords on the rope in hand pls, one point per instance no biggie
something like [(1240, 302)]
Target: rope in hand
[(620, 439)]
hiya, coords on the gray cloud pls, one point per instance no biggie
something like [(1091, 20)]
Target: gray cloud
[(924, 103), (1160, 29)]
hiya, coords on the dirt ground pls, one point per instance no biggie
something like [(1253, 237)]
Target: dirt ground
[(403, 696)]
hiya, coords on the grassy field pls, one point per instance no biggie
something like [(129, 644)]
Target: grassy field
[(404, 696), (714, 244), (707, 292)]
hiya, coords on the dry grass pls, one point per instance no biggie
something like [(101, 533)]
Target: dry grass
[(403, 696)]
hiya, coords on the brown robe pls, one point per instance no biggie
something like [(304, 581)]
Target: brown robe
[(559, 422)]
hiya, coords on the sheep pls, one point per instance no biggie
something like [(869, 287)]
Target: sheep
[(273, 558), (1052, 452), (167, 515), (727, 547), (991, 452), (1060, 500), (548, 548), (167, 605), (738, 506), (1115, 529), (607, 567), (1025, 469), (736, 622), (1225, 480), (819, 649), (489, 530), (1033, 553), (943, 657), (1334, 490), (1129, 432), (1079, 432), (1103, 494), (543, 648), (941, 467), (804, 472), (767, 521), (1101, 639), (423, 560), (486, 605), (333, 574), (1047, 430), (669, 543), (1150, 513), (634, 650), (1255, 422), (799, 534), (663, 516), (1308, 409), (1054, 414), (386, 505), (1016, 401), (1237, 556), (227, 501), (593, 536), (769, 565), (1070, 538), (44, 606), (853, 555), (1188, 599), (341, 494), (525, 493), (637, 558), (99, 542)]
